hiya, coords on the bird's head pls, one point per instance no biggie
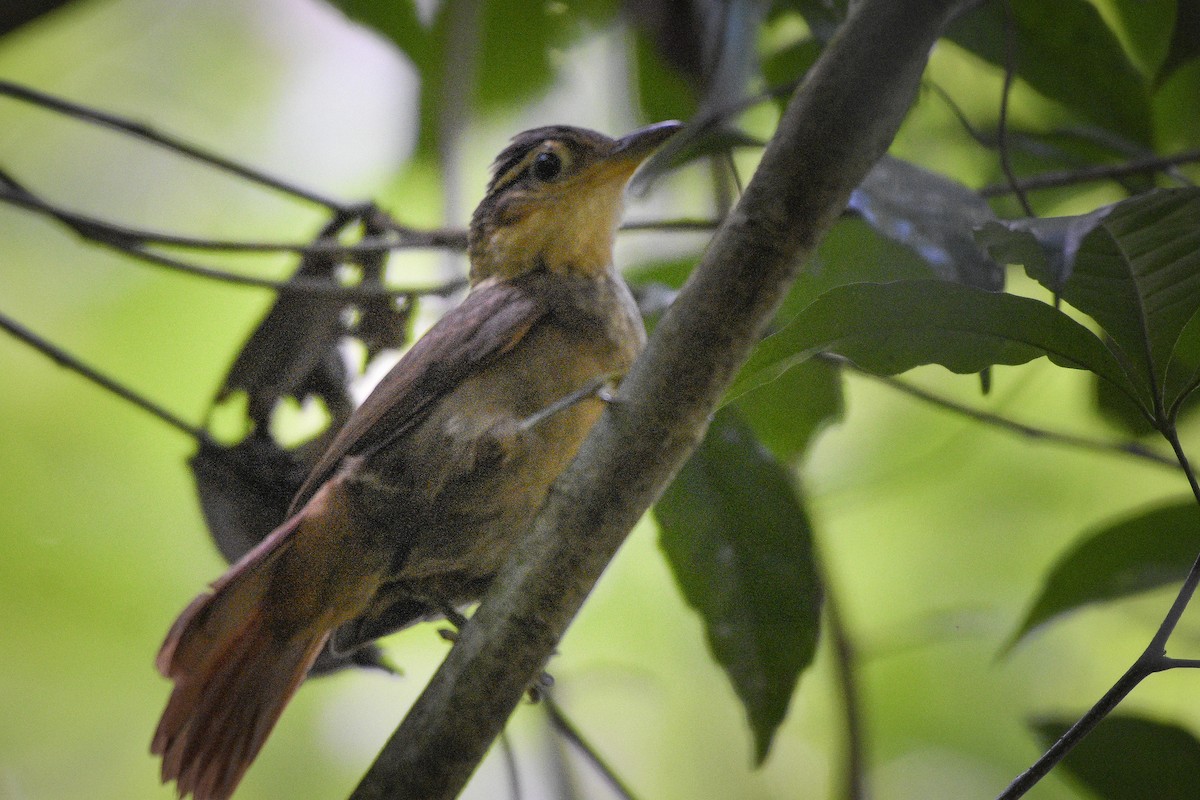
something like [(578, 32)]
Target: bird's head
[(555, 200)]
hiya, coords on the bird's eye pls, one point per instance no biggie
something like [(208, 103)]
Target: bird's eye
[(546, 166)]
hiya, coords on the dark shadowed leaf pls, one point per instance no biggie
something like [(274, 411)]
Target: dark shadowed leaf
[(295, 345), (1050, 41), (244, 490), (788, 412), (933, 216), (1185, 38), (1138, 274), (888, 328), (1135, 554), (1131, 758), (1145, 27), (1136, 271), (711, 46), (739, 543), (1046, 246), (1183, 372)]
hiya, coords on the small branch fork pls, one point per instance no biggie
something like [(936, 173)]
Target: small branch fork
[(1153, 659)]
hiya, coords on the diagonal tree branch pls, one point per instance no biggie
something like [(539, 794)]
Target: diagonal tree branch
[(841, 120)]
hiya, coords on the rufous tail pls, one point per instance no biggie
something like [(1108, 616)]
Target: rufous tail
[(234, 671)]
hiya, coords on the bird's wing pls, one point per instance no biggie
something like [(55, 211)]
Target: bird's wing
[(489, 322)]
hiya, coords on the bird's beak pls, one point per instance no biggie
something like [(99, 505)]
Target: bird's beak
[(644, 141)]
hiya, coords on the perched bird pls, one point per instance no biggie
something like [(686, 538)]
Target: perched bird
[(420, 497)]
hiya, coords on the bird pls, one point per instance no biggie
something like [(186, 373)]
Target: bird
[(420, 497)]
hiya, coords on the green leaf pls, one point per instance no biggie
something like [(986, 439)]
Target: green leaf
[(790, 63), (1134, 267), (852, 252), (1066, 52), (788, 412), (1120, 410), (1046, 246), (1185, 38), (933, 216), (1132, 555), (1147, 25), (1131, 758), (1183, 373), (1138, 274), (739, 543), (888, 328)]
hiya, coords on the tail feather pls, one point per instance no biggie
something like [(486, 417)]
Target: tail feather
[(234, 672), (208, 754), (238, 653)]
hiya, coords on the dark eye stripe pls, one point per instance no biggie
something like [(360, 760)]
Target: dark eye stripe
[(512, 171)]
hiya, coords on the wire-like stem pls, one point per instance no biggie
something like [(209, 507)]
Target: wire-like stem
[(65, 359), (571, 733), (1153, 659), (1098, 172), (1010, 68), (510, 765), (171, 143), (130, 242), (401, 238), (845, 660), (1130, 449)]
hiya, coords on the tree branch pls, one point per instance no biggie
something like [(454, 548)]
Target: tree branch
[(182, 148), (840, 121)]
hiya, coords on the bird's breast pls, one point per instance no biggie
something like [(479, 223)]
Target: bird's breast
[(476, 470)]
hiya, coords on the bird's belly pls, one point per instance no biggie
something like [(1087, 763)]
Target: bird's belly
[(477, 471)]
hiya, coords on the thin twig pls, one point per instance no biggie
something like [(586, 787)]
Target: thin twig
[(130, 242), (65, 359), (95, 228), (845, 658), (510, 764), (1098, 172), (684, 224), (145, 133), (1010, 68), (571, 733), (1153, 659), (1132, 449), (1111, 699)]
